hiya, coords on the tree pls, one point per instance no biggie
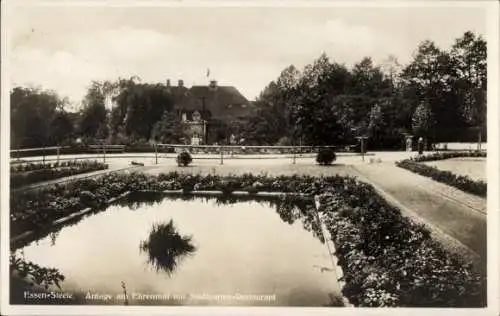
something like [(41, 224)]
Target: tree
[(324, 113), (327, 103), (93, 122), (168, 130), (469, 57), (369, 86), (392, 70), (422, 120), (431, 77), (33, 115), (218, 130), (62, 127), (139, 106), (376, 123)]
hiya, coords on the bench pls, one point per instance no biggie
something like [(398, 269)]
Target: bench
[(109, 148)]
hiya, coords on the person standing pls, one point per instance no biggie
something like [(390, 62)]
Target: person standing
[(420, 146)]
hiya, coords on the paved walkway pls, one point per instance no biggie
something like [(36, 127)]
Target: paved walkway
[(446, 210)]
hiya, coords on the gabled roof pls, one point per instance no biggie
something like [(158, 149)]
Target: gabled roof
[(221, 101), (183, 100), (224, 94)]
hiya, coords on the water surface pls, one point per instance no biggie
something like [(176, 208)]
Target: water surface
[(240, 249)]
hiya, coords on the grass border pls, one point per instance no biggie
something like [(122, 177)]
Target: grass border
[(463, 183), (36, 172), (448, 155)]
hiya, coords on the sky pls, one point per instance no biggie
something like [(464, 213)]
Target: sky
[(64, 48)]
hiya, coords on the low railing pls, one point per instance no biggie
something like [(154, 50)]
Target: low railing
[(157, 151)]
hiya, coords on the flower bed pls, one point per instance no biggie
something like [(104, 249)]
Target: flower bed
[(463, 183), (22, 175), (387, 259), (448, 155)]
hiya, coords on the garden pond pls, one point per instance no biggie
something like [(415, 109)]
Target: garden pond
[(182, 250)]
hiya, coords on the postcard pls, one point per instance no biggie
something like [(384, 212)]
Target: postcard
[(247, 157)]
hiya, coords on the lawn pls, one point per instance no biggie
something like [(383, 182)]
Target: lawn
[(474, 168), (272, 169)]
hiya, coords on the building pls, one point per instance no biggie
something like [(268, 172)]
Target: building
[(201, 108)]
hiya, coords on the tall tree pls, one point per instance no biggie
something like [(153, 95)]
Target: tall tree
[(422, 120), (93, 123), (168, 130), (62, 128), (469, 57), (429, 78), (139, 106), (320, 116), (33, 113)]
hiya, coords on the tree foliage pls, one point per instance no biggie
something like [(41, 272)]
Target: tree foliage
[(440, 94), (93, 122), (168, 130), (38, 118)]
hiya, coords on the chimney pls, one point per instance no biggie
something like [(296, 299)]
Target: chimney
[(180, 83), (168, 83), (213, 84)]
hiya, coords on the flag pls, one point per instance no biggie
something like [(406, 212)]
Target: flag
[(208, 72)]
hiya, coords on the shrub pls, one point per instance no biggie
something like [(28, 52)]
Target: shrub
[(284, 141), (326, 156), (184, 159)]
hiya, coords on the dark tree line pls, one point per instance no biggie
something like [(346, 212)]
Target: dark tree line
[(440, 94), (141, 112), (38, 118)]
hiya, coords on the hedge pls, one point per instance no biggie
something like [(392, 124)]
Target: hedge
[(33, 173), (448, 155), (463, 183)]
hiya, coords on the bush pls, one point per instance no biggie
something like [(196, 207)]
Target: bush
[(184, 159), (326, 156), (284, 141)]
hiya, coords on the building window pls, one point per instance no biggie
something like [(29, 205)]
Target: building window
[(184, 117), (229, 105), (243, 105)]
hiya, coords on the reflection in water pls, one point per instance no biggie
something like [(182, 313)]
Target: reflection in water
[(270, 252), (166, 247)]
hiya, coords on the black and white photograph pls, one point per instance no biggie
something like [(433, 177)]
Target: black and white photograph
[(178, 157)]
